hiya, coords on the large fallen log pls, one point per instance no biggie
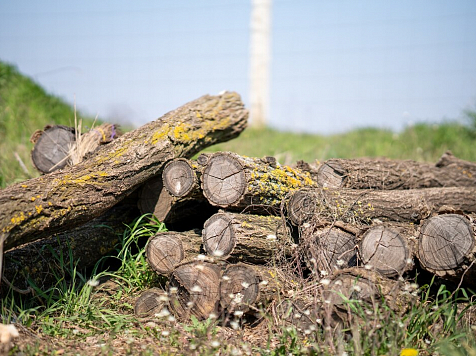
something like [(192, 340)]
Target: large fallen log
[(237, 183), (60, 200), (83, 246), (396, 174), (365, 205)]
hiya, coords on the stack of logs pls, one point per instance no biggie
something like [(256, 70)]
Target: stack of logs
[(293, 237)]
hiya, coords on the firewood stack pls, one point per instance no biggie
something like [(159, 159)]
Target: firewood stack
[(247, 233)]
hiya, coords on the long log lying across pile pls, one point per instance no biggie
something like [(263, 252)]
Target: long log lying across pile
[(349, 205), (60, 200), (396, 174), (237, 183)]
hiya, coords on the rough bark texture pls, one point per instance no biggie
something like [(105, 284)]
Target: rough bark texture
[(236, 182), (178, 213), (250, 238), (352, 205), (62, 199), (447, 247), (194, 289), (52, 145), (38, 260), (389, 248), (166, 250), (328, 248), (396, 174), (150, 303)]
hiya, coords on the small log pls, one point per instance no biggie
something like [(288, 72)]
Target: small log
[(250, 238), (178, 213), (150, 303), (247, 287), (194, 289), (236, 182), (63, 199), (446, 247), (351, 205), (50, 152), (181, 177), (328, 248), (394, 174), (388, 249), (38, 261), (166, 250)]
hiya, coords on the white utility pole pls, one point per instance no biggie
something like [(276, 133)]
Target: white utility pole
[(260, 58)]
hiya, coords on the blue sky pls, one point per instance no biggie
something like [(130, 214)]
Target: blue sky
[(336, 64)]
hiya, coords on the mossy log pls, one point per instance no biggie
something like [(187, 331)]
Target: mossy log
[(150, 303), (166, 250), (244, 237), (62, 199), (194, 289), (327, 248), (246, 287), (242, 183), (395, 174), (39, 261), (389, 248), (52, 146), (365, 205), (178, 213), (447, 247)]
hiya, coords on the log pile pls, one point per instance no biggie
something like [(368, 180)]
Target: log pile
[(249, 234)]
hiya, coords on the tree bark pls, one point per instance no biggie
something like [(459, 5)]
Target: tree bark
[(238, 183), (166, 250), (396, 174), (62, 199), (352, 205), (178, 213), (249, 238), (388, 248), (446, 247), (39, 260), (194, 289)]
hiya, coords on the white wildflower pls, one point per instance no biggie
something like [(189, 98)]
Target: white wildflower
[(235, 325), (306, 225), (171, 318), (190, 304), (163, 313), (245, 285), (238, 313), (201, 257), (263, 283), (196, 289), (271, 237), (165, 333), (297, 315), (212, 316), (163, 298), (340, 263), (324, 273), (368, 267), (357, 288), (93, 282), (218, 253), (173, 290), (215, 343), (226, 278), (325, 281)]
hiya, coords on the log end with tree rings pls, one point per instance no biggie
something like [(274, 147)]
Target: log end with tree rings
[(331, 249), (179, 177), (164, 252), (239, 288), (194, 289), (445, 241), (302, 206), (150, 303), (52, 148), (219, 238), (224, 180), (330, 175), (386, 250)]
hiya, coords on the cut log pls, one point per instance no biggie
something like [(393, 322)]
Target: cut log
[(250, 238), (352, 205), (328, 248), (194, 289), (446, 247), (38, 261), (150, 303), (63, 199), (388, 249), (247, 287), (166, 250), (394, 174), (181, 177), (236, 182), (178, 213), (51, 148)]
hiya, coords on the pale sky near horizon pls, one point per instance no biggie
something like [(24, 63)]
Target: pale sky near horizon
[(336, 64)]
